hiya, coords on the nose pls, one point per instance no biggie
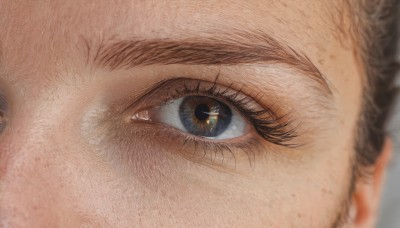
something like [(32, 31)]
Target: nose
[(28, 195), (33, 192)]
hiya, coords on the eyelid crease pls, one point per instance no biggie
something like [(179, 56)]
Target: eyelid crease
[(231, 47), (276, 129)]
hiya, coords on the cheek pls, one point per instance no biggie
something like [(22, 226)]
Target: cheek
[(171, 190)]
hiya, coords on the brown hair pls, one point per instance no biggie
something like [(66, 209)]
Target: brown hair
[(375, 25)]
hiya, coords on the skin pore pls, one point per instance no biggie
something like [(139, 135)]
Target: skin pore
[(75, 73)]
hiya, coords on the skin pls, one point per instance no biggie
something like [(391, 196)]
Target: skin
[(67, 158)]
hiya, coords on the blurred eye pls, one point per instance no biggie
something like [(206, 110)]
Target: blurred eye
[(201, 116)]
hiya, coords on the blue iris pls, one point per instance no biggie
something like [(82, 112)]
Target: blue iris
[(204, 116)]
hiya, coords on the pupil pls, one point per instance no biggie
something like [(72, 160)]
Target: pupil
[(204, 116), (201, 112)]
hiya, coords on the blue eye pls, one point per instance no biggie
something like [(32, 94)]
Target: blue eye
[(204, 116), (209, 110), (201, 116)]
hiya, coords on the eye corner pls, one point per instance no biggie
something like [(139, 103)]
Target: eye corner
[(191, 112)]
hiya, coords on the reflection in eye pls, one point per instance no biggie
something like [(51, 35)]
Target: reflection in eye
[(216, 124), (201, 116), (212, 112)]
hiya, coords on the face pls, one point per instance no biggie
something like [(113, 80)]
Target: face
[(159, 113)]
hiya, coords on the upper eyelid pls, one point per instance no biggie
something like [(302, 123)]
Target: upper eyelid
[(149, 92), (173, 82), (155, 90), (277, 125)]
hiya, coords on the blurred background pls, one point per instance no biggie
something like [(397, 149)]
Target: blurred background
[(390, 208)]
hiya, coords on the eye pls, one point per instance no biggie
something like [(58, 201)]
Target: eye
[(212, 111), (201, 116)]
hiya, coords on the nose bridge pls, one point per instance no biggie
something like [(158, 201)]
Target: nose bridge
[(28, 164), (34, 122), (24, 182)]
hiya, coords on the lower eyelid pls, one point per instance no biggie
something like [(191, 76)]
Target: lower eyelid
[(225, 155), (268, 125)]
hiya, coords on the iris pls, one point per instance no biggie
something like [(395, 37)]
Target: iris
[(204, 116)]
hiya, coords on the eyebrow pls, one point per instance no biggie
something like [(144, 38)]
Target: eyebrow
[(231, 48)]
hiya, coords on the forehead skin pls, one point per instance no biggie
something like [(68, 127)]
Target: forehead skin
[(44, 60)]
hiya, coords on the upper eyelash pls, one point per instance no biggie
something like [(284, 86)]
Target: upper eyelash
[(273, 128)]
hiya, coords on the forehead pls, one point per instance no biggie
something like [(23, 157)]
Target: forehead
[(174, 14), (57, 25)]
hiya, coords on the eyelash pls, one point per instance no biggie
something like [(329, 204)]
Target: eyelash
[(275, 129)]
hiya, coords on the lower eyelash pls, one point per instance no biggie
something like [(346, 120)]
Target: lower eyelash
[(213, 150), (217, 154), (221, 155), (275, 129)]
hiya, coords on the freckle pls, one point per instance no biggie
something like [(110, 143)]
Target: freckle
[(299, 215), (332, 57), (293, 195)]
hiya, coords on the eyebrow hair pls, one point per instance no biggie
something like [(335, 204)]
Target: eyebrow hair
[(233, 48)]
